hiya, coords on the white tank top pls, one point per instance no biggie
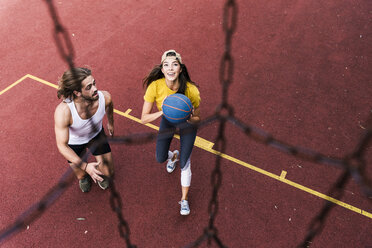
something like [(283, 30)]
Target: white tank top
[(82, 131)]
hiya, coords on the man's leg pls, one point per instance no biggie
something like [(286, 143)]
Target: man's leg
[(101, 150), (106, 165), (80, 151), (79, 173), (85, 182)]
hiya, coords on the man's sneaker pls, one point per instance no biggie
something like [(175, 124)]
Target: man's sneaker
[(104, 184), (85, 183), (171, 164), (185, 209)]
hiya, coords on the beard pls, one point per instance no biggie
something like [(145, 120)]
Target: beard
[(91, 98)]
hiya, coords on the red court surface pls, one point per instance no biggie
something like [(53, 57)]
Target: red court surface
[(301, 72)]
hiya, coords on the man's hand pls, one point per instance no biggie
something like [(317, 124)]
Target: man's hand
[(110, 129), (91, 169)]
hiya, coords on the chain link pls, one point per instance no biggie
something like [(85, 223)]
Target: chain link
[(313, 156), (66, 51), (223, 111), (353, 165), (317, 224), (36, 210), (230, 16), (116, 206), (61, 37)]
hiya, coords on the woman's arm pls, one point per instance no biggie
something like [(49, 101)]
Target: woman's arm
[(146, 116), (195, 116)]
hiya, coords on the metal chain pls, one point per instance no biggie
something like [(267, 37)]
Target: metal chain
[(68, 56), (317, 224), (223, 111), (66, 51), (39, 208), (230, 16), (36, 210), (352, 165), (216, 181), (116, 206), (61, 37), (313, 156)]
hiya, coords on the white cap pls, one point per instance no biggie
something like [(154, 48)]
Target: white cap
[(171, 53)]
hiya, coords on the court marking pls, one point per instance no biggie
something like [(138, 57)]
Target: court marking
[(207, 146), (13, 84)]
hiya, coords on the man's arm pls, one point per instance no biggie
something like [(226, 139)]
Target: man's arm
[(62, 119), (109, 105)]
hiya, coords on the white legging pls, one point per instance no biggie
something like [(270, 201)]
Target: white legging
[(186, 174)]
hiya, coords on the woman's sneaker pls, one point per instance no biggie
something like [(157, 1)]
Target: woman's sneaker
[(85, 183), (171, 164), (185, 209)]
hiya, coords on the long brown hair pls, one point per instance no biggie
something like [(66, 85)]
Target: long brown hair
[(156, 74), (71, 81)]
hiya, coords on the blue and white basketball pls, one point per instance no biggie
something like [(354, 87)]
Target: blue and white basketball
[(177, 108)]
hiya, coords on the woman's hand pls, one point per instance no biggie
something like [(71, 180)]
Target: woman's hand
[(194, 117)]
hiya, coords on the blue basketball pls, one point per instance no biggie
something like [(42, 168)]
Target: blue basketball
[(177, 108)]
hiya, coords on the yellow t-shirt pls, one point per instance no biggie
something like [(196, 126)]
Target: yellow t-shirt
[(158, 90)]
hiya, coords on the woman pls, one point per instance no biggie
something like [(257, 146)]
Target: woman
[(171, 77)]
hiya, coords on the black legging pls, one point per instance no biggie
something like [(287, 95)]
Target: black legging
[(164, 139)]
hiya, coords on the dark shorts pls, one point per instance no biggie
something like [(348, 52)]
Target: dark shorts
[(97, 146)]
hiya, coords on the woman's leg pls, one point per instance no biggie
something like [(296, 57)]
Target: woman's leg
[(187, 138), (186, 179), (185, 183), (163, 141)]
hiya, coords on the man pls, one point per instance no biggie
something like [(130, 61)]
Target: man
[(78, 126)]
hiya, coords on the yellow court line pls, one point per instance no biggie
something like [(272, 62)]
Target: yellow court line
[(126, 114), (283, 174), (42, 81), (13, 84), (199, 142), (280, 178), (207, 146)]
